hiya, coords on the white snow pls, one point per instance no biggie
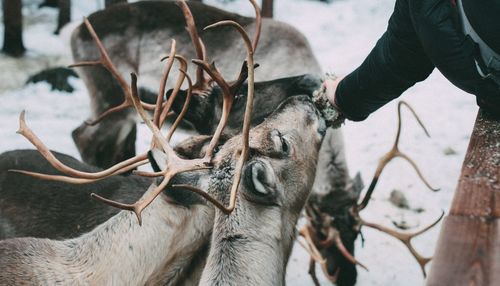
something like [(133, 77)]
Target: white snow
[(341, 34)]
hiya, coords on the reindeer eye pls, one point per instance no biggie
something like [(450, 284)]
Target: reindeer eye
[(282, 145), (285, 146)]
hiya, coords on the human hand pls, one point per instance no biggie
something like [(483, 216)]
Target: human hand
[(330, 86)]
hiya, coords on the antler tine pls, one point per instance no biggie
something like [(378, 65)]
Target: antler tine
[(141, 204), (78, 181), (106, 62), (142, 113), (226, 104), (394, 153), (166, 109), (404, 103), (406, 238), (201, 82), (314, 253), (332, 234), (184, 107), (214, 73), (312, 271), (310, 246), (25, 131), (202, 193), (234, 86), (333, 237), (163, 83), (258, 25)]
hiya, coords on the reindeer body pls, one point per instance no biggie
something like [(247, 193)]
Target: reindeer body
[(117, 252), (50, 209)]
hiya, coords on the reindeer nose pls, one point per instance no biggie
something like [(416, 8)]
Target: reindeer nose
[(322, 127)]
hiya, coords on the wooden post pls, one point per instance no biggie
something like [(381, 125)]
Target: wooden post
[(468, 249)]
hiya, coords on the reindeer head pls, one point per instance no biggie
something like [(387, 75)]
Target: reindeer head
[(276, 180), (205, 110)]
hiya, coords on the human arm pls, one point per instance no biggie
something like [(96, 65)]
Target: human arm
[(396, 63)]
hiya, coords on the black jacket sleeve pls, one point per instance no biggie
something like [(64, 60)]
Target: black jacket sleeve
[(421, 35), (396, 63)]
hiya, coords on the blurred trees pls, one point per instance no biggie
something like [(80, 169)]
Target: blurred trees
[(64, 14), (267, 8), (13, 24), (49, 3)]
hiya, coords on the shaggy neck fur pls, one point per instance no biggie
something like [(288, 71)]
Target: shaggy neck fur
[(118, 252), (251, 245)]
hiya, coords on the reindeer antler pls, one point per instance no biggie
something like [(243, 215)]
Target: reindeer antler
[(322, 224), (175, 164), (77, 177), (394, 153), (406, 238), (105, 61), (201, 83)]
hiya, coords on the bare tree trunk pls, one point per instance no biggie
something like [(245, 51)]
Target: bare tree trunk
[(64, 14), (108, 3), (50, 3), (267, 8), (13, 24)]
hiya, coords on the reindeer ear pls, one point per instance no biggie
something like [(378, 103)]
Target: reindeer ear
[(306, 84), (195, 146), (158, 159)]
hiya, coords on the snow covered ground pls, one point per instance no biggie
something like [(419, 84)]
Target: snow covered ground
[(341, 34)]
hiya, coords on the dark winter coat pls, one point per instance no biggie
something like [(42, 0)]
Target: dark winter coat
[(421, 35)]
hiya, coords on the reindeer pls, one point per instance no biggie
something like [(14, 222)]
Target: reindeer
[(334, 222), (30, 207), (204, 109), (260, 160), (51, 209), (288, 67)]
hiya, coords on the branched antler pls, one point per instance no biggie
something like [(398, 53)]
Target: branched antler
[(322, 227), (406, 238), (319, 234), (74, 176), (394, 153), (105, 61), (175, 164), (247, 118)]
